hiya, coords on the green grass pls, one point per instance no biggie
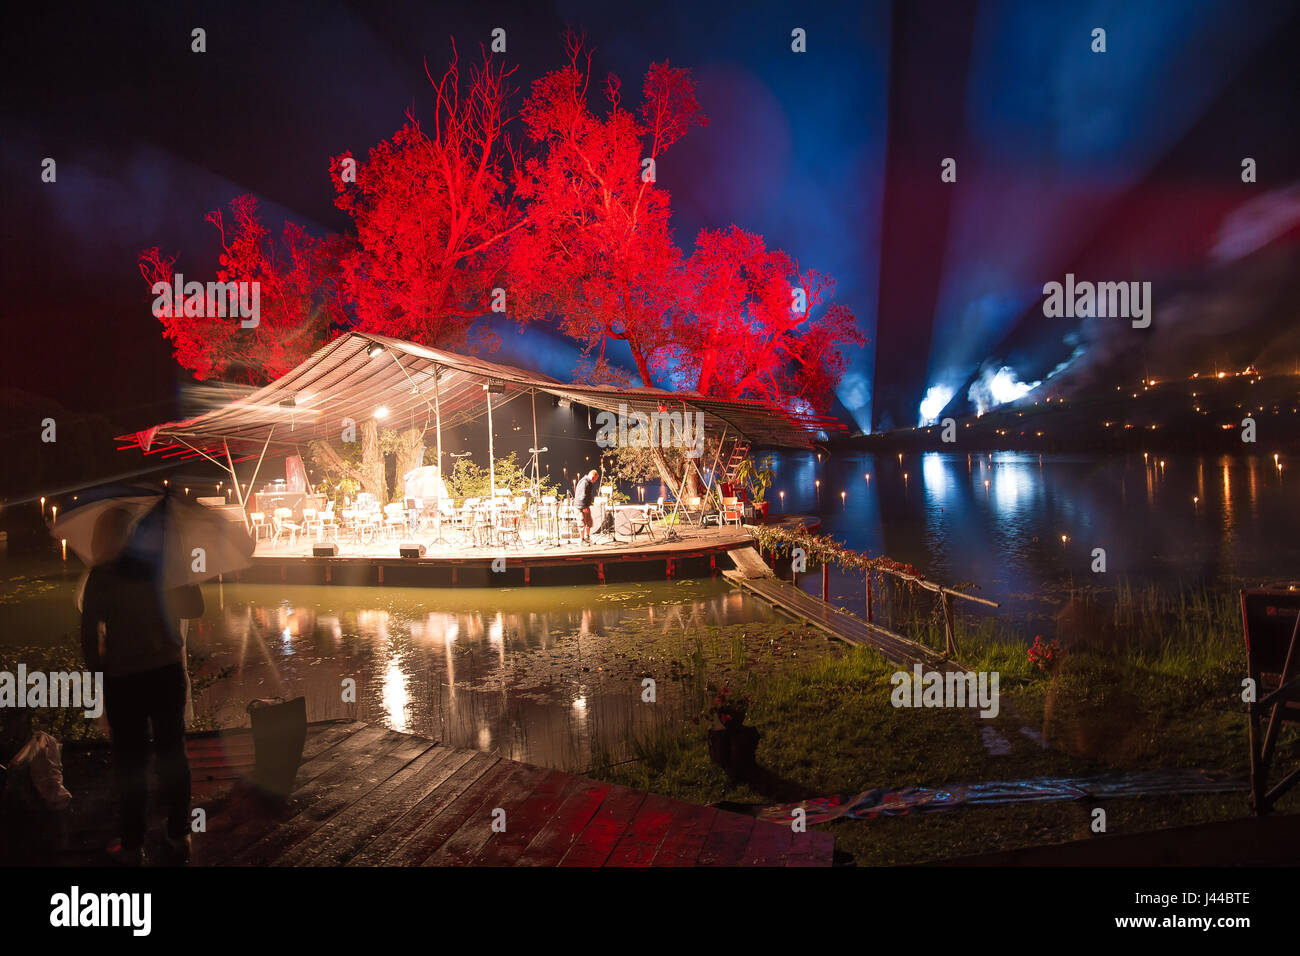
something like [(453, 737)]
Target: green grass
[(1156, 687)]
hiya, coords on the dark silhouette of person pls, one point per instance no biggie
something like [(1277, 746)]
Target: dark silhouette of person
[(130, 632), (584, 497)]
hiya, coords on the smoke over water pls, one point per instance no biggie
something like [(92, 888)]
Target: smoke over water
[(996, 387)]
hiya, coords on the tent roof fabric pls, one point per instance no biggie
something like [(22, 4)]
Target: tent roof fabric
[(357, 373)]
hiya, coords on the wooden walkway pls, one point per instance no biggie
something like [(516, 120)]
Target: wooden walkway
[(368, 796), (895, 647)]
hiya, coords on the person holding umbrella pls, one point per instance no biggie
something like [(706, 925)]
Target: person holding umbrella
[(147, 555)]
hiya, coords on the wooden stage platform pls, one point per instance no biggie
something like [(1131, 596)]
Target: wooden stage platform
[(368, 796), (695, 552)]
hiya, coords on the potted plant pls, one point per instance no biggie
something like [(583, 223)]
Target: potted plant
[(757, 479), (732, 745)]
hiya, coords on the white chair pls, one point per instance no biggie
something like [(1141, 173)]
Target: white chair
[(261, 527), (283, 518), (369, 525), (327, 522), (639, 522), (394, 520)]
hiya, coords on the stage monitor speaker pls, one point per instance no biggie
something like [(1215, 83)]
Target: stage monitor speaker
[(324, 550), (411, 550)]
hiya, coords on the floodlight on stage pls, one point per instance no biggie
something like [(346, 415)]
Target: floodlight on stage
[(376, 350), (289, 402), (381, 412), (495, 388)]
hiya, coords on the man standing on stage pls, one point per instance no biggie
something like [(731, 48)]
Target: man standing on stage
[(584, 496)]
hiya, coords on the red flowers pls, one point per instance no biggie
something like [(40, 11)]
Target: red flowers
[(1044, 655), (728, 711)]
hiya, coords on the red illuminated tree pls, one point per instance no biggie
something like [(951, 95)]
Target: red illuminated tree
[(754, 324), (432, 207), (299, 300), (735, 320), (597, 251)]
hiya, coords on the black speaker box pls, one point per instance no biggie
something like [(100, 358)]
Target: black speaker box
[(325, 550), (411, 550)]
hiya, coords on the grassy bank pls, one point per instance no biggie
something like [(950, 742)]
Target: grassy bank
[(1144, 682)]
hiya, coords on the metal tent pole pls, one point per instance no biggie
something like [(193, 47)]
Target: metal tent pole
[(492, 469), (437, 415)]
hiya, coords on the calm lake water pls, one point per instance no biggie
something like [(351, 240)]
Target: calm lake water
[(540, 674), (534, 674), (1023, 528)]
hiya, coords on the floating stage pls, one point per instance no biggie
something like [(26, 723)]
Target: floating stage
[(694, 551)]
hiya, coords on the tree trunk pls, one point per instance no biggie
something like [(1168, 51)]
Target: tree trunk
[(666, 471), (372, 475), (410, 452)]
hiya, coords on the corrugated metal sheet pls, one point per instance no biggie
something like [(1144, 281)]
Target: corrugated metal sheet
[(357, 373)]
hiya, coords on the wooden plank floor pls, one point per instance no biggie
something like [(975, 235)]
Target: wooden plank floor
[(368, 796), (895, 647)]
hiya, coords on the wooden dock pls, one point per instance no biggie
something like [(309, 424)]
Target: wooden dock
[(368, 796), (895, 647)]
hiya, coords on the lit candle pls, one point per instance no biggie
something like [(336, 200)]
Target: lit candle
[(842, 501), (42, 507), (782, 494), (65, 550), (54, 513)]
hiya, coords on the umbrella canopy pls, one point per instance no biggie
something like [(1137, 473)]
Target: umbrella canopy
[(186, 542)]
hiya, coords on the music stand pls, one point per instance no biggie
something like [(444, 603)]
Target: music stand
[(1271, 622)]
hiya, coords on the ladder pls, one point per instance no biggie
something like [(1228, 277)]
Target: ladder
[(739, 452)]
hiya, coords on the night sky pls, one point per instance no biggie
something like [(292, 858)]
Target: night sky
[(1123, 165)]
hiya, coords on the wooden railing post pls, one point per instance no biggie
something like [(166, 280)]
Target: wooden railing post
[(826, 582), (870, 617), (950, 639)]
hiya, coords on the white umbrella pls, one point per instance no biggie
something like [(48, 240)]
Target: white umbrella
[(187, 542)]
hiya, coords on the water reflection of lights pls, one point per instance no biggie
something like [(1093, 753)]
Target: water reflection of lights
[(396, 698), (580, 705), (934, 475), (1010, 482)]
